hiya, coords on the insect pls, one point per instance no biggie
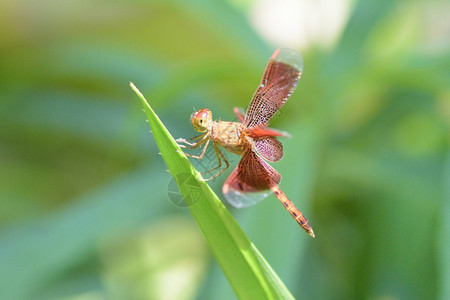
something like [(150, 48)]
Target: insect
[(253, 178)]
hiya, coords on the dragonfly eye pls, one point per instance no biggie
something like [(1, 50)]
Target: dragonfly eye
[(201, 119)]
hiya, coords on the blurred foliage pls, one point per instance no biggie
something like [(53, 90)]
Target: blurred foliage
[(368, 163)]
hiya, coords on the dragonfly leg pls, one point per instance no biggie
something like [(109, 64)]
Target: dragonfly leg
[(219, 159), (185, 144), (194, 138), (220, 156), (204, 149)]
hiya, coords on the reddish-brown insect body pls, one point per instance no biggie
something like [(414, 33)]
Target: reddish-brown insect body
[(251, 180)]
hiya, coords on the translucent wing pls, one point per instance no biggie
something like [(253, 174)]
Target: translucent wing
[(250, 182), (237, 196), (277, 84)]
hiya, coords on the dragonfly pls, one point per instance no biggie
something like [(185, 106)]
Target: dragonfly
[(253, 179)]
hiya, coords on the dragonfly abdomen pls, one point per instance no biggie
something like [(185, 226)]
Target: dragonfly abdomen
[(290, 207)]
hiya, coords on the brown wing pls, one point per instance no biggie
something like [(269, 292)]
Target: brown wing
[(277, 84), (250, 181), (270, 149)]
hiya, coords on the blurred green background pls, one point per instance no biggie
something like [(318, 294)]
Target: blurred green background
[(84, 205)]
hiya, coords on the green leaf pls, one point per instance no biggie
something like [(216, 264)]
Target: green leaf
[(246, 269)]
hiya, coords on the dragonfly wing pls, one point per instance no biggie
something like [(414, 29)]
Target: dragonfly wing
[(262, 131), (240, 113), (249, 183), (236, 194), (242, 200), (270, 149), (279, 80)]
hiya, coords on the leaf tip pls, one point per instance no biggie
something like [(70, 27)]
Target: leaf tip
[(135, 89)]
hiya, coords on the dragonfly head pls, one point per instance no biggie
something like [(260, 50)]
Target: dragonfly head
[(201, 119)]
